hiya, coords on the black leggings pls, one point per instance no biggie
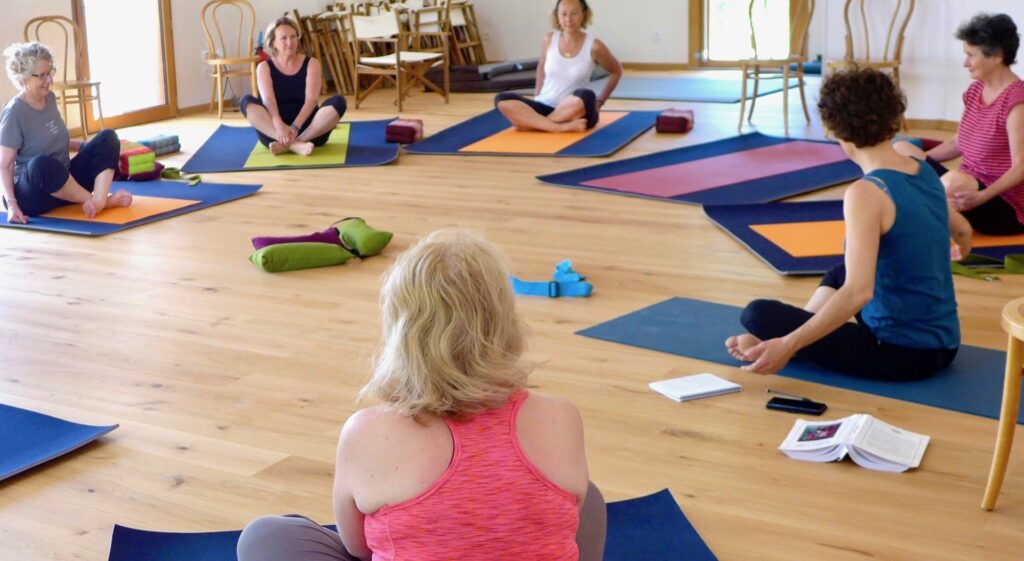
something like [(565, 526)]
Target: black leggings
[(851, 349), (44, 175), (995, 218), (589, 98), (337, 102)]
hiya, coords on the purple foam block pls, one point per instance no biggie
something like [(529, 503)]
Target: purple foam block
[(329, 235)]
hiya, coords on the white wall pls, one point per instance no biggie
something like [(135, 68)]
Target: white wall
[(194, 88), (931, 75), (12, 25), (653, 31)]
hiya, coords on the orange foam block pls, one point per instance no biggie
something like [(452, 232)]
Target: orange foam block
[(511, 141), (142, 207)]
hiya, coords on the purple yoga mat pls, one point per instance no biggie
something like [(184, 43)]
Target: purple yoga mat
[(329, 235), (727, 169)]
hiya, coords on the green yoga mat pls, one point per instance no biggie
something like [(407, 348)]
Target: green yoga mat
[(332, 153)]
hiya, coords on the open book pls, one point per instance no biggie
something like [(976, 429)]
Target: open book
[(869, 442)]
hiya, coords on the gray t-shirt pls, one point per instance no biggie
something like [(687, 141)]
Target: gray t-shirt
[(34, 132)]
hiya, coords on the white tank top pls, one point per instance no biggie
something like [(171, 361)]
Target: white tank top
[(563, 75)]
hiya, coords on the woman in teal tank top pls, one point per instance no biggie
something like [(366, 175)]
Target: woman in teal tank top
[(896, 281)]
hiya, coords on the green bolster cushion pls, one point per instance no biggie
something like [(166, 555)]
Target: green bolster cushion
[(296, 256), (357, 235)]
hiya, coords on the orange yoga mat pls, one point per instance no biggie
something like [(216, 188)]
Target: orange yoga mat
[(142, 207), (511, 141), (817, 239)]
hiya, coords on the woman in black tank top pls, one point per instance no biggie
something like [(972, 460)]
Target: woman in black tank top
[(286, 115)]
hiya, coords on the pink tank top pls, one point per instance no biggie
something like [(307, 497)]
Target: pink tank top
[(491, 503)]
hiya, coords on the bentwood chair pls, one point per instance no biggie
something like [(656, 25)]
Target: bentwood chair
[(75, 88), (858, 45), (1013, 324), (233, 53), (888, 56), (762, 67)]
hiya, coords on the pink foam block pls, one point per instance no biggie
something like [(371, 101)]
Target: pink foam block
[(727, 169)]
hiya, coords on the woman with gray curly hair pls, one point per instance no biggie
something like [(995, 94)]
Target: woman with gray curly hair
[(37, 172)]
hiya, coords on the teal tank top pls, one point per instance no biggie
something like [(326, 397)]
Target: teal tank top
[(914, 304)]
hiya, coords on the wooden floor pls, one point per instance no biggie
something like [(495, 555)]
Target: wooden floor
[(230, 384)]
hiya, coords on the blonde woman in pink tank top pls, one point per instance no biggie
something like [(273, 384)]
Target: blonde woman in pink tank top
[(459, 461), (563, 101)]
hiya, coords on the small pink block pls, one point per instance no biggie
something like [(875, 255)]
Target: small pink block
[(675, 120)]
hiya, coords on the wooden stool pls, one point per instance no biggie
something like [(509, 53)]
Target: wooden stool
[(1013, 324)]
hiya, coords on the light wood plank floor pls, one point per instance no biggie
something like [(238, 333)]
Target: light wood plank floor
[(230, 384)]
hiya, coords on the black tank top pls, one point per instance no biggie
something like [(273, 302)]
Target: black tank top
[(290, 91)]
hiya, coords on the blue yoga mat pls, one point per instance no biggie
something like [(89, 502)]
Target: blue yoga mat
[(650, 528), (762, 190), (737, 219), (208, 194), (697, 329), (688, 88), (229, 148), (28, 439), (604, 142)]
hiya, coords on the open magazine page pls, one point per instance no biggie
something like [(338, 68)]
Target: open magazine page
[(879, 445), (820, 441)]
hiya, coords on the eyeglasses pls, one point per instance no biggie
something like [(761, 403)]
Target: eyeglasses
[(45, 75)]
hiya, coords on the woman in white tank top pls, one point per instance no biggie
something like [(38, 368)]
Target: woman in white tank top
[(562, 101)]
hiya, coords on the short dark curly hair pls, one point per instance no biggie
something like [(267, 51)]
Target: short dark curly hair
[(862, 106), (992, 33)]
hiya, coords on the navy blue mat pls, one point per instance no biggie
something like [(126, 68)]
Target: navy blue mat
[(28, 439), (761, 190), (737, 221), (604, 142), (688, 88), (229, 147), (697, 329), (208, 194), (650, 528)]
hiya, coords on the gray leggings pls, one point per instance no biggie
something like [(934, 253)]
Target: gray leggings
[(296, 538)]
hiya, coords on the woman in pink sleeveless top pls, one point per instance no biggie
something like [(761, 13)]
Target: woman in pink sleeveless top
[(988, 187), (460, 461)]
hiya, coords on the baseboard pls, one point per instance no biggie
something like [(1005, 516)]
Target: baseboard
[(933, 124), (656, 66)]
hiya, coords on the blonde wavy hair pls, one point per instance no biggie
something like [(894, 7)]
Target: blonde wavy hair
[(21, 59), (451, 343), (271, 33), (588, 15)]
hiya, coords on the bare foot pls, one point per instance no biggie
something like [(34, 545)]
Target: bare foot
[(738, 345), (579, 125), (120, 198), (276, 148), (302, 148), (93, 207)]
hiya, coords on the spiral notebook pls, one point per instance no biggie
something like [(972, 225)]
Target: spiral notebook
[(696, 386)]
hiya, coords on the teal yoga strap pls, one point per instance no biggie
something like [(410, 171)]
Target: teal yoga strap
[(565, 282)]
